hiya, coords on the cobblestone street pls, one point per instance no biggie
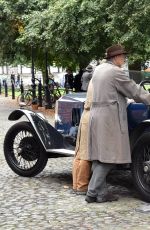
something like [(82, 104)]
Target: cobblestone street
[(46, 202)]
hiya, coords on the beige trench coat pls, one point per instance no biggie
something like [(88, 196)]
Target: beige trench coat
[(81, 149), (108, 137)]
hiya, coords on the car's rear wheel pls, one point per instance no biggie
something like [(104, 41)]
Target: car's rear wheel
[(141, 166)]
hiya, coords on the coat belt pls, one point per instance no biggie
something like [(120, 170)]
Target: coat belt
[(103, 104)]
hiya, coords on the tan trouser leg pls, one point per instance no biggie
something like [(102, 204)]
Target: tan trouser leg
[(76, 162), (83, 175)]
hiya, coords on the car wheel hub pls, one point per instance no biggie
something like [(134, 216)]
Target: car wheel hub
[(28, 149), (146, 167)]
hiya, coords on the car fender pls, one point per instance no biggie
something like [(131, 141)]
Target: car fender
[(47, 134), (137, 132)]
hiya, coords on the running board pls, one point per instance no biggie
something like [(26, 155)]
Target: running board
[(63, 152)]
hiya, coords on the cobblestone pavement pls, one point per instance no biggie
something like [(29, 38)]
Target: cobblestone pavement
[(45, 202)]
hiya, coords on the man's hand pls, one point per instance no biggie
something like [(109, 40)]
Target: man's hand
[(129, 101)]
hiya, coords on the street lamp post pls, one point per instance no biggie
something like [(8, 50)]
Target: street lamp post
[(33, 78), (48, 104)]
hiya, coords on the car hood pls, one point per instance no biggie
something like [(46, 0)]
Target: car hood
[(73, 97)]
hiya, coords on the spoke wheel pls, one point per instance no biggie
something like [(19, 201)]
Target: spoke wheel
[(141, 166), (25, 98), (145, 84), (23, 151)]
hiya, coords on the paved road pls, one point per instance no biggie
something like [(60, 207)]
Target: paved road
[(45, 202)]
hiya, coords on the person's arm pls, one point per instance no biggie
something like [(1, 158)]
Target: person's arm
[(129, 88), (89, 96)]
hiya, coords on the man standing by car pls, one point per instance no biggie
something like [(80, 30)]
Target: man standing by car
[(108, 137)]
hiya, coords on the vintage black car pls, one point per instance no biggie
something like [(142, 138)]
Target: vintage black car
[(29, 144)]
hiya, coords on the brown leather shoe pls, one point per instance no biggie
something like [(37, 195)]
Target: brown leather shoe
[(109, 197)]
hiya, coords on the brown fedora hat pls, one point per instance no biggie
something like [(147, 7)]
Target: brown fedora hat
[(114, 51)]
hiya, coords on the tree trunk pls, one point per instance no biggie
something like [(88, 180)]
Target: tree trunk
[(43, 75)]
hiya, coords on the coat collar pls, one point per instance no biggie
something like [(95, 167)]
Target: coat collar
[(110, 62)]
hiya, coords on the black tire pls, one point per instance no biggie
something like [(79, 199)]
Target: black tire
[(25, 98), (23, 151), (141, 166)]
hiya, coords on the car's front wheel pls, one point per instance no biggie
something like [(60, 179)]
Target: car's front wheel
[(23, 150), (141, 166)]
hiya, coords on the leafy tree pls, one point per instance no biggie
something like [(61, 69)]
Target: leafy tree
[(72, 32), (128, 23), (12, 25)]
